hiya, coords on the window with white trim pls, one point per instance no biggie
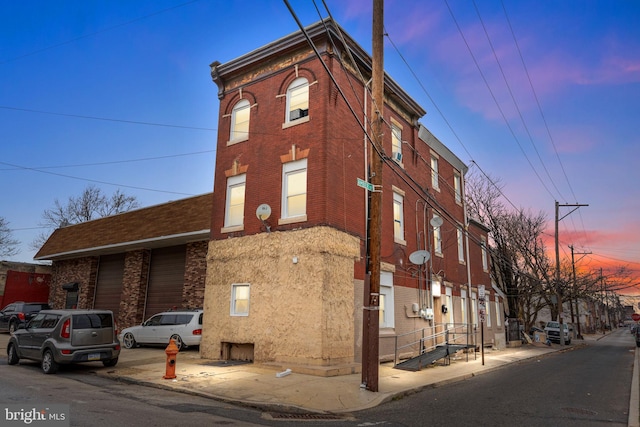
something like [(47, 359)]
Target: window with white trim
[(498, 313), (398, 217), (474, 309), (294, 189), (457, 186), (297, 100), (460, 235), (449, 304), (487, 307), (240, 293), (437, 238), (396, 142), (386, 310), (434, 173), (463, 306), (483, 248), (234, 206), (240, 121)]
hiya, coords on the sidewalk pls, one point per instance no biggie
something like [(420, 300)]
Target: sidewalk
[(258, 385)]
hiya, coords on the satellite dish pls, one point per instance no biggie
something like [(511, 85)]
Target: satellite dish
[(436, 221), (419, 257), (263, 212)]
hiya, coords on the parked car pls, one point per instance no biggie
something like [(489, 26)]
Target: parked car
[(55, 337), (553, 331), (19, 313), (183, 327)]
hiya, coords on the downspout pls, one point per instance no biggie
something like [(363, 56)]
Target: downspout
[(466, 234)]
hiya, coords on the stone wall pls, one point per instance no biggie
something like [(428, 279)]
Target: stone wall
[(194, 274), (301, 296), (80, 270)]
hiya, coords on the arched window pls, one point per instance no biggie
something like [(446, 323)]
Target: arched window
[(240, 121), (297, 100)]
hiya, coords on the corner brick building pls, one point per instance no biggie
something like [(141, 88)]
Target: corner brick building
[(286, 263)]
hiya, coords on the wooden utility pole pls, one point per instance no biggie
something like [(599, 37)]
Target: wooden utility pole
[(371, 316), (558, 290)]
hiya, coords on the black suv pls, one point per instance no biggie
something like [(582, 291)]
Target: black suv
[(19, 313)]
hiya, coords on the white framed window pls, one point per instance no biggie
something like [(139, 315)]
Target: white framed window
[(483, 248), (487, 307), (240, 293), (398, 218), (449, 305), (234, 204), (434, 173), (387, 315), (437, 237), (396, 142), (294, 189), (457, 186), (463, 306), (297, 100), (498, 313), (474, 309), (460, 235), (240, 121)]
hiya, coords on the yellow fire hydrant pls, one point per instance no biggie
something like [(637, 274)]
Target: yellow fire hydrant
[(171, 351)]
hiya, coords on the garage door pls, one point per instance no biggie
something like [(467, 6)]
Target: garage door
[(109, 284), (166, 279)]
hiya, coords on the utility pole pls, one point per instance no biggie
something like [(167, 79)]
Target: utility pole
[(573, 266), (558, 291), (371, 315)]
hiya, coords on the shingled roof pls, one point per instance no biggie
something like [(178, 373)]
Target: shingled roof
[(168, 224)]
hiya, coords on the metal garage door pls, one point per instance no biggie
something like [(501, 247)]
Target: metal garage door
[(166, 279), (109, 284)]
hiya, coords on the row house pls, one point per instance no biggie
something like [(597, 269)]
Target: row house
[(286, 262)]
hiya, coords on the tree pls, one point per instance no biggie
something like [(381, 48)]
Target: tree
[(91, 204), (8, 245)]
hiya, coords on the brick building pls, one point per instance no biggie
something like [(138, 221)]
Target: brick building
[(286, 263)]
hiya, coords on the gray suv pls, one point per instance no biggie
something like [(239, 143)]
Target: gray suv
[(55, 337)]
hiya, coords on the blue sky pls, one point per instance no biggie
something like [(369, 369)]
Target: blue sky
[(118, 94)]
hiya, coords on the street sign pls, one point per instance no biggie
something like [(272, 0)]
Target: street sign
[(364, 184), (481, 291), (635, 317)]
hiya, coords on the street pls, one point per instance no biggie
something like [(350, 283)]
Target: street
[(586, 386)]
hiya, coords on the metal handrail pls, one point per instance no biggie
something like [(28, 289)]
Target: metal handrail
[(457, 330)]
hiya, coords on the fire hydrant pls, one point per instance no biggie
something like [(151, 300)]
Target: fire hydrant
[(171, 351)]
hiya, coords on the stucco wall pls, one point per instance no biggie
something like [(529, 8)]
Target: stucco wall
[(299, 312)]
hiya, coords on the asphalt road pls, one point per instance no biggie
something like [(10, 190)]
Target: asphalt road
[(587, 386)]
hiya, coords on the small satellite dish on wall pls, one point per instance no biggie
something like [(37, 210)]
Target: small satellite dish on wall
[(263, 212), (419, 257), (436, 221)]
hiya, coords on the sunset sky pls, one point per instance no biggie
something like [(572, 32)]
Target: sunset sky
[(543, 95)]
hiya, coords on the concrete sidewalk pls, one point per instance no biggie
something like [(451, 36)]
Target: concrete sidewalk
[(259, 385)]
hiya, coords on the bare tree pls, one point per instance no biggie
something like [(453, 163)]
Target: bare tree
[(8, 245), (91, 204)]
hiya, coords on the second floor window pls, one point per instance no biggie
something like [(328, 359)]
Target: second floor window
[(234, 209), (240, 121), (457, 187), (297, 100), (398, 217), (437, 238), (294, 189), (460, 235)]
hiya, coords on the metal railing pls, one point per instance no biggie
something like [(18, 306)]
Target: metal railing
[(426, 339)]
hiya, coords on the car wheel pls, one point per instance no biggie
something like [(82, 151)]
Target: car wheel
[(178, 341), (12, 327), (128, 340), (12, 355), (111, 362), (49, 365)]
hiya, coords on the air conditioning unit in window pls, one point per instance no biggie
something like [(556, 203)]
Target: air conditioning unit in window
[(298, 113), (397, 157)]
